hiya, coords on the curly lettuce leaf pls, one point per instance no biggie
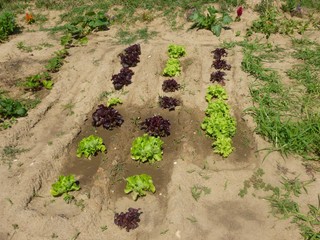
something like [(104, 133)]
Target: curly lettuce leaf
[(216, 91), (147, 149), (176, 51), (90, 146), (172, 68), (223, 146), (138, 185), (64, 185)]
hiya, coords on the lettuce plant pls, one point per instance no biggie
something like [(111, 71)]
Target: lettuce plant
[(218, 77), (218, 53), (63, 186), (138, 185), (147, 149), (221, 65), (216, 91), (90, 146), (172, 68), (176, 51), (170, 85), (168, 103), (156, 126), (108, 117), (130, 57), (113, 102), (129, 220), (122, 79)]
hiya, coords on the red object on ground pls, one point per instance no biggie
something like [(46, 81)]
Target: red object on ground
[(239, 12), (29, 17)]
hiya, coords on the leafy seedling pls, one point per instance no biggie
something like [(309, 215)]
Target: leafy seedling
[(176, 51), (90, 146), (211, 21), (138, 185), (147, 149), (63, 186)]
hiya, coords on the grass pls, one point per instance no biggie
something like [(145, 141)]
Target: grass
[(127, 37), (287, 117), (10, 153), (283, 205), (197, 191), (68, 108)]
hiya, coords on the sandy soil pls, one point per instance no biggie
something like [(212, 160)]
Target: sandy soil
[(51, 133)]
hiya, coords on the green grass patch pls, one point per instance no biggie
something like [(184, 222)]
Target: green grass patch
[(285, 116)]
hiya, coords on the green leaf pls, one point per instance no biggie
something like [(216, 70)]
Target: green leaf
[(226, 19), (64, 185), (216, 29), (48, 84), (113, 102), (212, 10), (176, 51), (147, 149), (138, 184), (90, 146), (172, 68), (10, 108)]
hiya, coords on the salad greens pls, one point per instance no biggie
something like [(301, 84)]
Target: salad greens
[(218, 123), (176, 51), (147, 149), (172, 68), (63, 186), (90, 146), (138, 184)]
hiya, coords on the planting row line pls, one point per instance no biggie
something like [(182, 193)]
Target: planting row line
[(218, 122)]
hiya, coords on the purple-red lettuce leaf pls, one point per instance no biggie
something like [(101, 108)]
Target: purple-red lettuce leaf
[(129, 220), (108, 117), (221, 65), (218, 53), (168, 102), (170, 85), (123, 78), (156, 126), (218, 77)]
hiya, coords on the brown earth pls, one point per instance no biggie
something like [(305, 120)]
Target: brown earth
[(51, 132)]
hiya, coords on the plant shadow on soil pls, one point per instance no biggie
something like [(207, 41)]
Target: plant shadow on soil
[(186, 142)]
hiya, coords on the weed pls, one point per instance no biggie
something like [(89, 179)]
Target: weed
[(68, 108), (80, 203), (164, 232), (24, 48), (256, 182), (30, 103), (288, 120), (53, 235), (197, 190), (104, 228), (7, 123), (75, 237), (8, 25), (127, 37), (192, 219)]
